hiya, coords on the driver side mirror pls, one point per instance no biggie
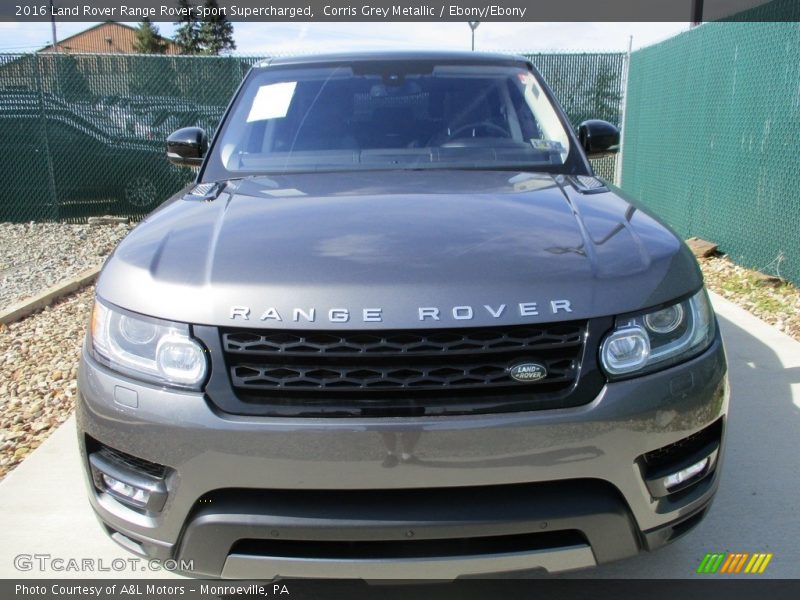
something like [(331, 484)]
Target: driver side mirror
[(598, 138), (187, 146)]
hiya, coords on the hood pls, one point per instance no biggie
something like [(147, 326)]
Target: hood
[(413, 249)]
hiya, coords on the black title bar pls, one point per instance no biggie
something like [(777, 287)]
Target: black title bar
[(699, 588), (405, 10)]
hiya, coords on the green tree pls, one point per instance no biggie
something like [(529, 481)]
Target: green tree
[(216, 32), (71, 79), (148, 41), (187, 35), (605, 97)]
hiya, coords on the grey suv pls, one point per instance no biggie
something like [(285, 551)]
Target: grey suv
[(397, 328)]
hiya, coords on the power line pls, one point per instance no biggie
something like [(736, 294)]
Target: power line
[(31, 47)]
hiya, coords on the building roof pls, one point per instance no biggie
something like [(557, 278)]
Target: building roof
[(106, 38)]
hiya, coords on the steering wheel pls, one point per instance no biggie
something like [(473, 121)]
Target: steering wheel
[(485, 125)]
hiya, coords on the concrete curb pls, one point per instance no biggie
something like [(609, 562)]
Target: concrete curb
[(22, 309)]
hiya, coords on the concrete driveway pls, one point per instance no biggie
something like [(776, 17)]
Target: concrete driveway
[(757, 508), (43, 510)]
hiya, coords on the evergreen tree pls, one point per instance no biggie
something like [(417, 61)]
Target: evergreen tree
[(216, 32), (605, 97), (187, 35), (148, 41)]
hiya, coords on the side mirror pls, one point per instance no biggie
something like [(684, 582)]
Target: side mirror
[(598, 138), (187, 146)]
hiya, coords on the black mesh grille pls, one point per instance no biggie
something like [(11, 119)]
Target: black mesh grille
[(464, 341), (432, 369), (414, 375), (136, 464), (679, 450)]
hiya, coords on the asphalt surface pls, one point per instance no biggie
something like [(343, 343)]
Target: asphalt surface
[(43, 509)]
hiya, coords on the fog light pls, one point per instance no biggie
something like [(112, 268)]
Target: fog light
[(686, 474), (125, 491), (129, 486), (669, 479)]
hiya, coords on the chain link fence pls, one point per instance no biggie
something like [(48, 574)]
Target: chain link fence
[(588, 86), (83, 135), (711, 139)]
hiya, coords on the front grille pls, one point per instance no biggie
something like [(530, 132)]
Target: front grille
[(400, 371), (452, 341), (404, 548), (449, 375)]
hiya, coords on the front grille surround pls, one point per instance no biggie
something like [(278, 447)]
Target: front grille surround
[(401, 372)]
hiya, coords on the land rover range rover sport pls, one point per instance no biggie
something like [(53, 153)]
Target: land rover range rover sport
[(397, 328)]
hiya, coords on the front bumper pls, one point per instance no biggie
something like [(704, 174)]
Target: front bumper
[(458, 495)]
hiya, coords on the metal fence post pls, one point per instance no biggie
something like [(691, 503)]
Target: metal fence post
[(625, 72), (51, 179)]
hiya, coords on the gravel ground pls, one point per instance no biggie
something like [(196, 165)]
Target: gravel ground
[(774, 301), (34, 256), (38, 367)]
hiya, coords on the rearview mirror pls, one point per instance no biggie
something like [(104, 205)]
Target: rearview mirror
[(598, 138), (187, 146)]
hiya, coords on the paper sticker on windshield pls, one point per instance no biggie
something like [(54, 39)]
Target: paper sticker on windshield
[(528, 80), (547, 145), (526, 77), (272, 101)]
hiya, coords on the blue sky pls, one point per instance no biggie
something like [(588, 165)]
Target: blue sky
[(293, 38)]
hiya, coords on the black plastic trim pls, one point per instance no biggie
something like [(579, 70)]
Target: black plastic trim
[(443, 516)]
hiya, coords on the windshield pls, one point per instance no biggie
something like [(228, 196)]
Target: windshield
[(390, 116)]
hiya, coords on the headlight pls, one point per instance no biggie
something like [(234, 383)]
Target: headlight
[(145, 348), (656, 339)]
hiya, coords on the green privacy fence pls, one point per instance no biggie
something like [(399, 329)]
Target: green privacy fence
[(83, 135), (712, 135)]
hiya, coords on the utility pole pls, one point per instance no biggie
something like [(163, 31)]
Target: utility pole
[(473, 25), (53, 26), (697, 12)]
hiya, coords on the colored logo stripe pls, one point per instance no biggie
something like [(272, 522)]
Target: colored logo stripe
[(710, 563), (758, 563), (734, 562)]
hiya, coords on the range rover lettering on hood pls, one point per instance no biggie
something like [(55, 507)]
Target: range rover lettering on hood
[(424, 313)]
